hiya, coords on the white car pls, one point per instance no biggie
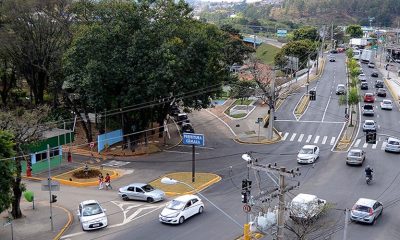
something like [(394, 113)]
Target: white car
[(306, 207), (181, 208), (362, 77), (308, 154), (366, 211), (92, 215), (387, 104), (369, 125)]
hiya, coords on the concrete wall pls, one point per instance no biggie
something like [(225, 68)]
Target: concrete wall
[(109, 138)]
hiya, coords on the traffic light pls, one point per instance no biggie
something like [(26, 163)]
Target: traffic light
[(313, 95), (53, 198), (370, 137), (244, 197)]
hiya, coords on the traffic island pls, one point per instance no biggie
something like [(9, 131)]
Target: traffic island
[(302, 106), (347, 136), (202, 181), (71, 179)]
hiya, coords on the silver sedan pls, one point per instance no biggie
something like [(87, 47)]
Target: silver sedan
[(355, 156), (141, 191)]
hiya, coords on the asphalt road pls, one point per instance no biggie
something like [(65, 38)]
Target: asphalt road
[(330, 178)]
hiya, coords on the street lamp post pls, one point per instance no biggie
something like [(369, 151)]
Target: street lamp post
[(171, 181)]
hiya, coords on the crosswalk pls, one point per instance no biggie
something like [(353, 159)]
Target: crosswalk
[(301, 137), (378, 145)]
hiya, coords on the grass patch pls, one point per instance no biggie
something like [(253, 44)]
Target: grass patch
[(242, 102), (70, 175), (240, 115), (266, 53)]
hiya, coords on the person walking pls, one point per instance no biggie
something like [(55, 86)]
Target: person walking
[(101, 180), (108, 181)]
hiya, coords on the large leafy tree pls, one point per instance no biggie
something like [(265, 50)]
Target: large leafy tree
[(6, 180), (305, 33), (139, 53), (302, 49), (354, 31)]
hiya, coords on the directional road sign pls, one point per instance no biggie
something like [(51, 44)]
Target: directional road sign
[(193, 139)]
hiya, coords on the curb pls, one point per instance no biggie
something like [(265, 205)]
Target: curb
[(392, 92), (115, 175), (67, 225), (302, 105), (266, 142)]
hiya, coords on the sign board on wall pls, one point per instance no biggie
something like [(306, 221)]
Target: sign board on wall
[(281, 32)]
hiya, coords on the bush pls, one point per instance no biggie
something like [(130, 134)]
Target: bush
[(92, 173)]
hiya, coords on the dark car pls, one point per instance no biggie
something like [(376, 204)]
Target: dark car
[(334, 51), (381, 92), (364, 86), (181, 118), (332, 59), (378, 84), (374, 74), (187, 128)]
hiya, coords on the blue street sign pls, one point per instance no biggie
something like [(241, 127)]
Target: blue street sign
[(193, 139)]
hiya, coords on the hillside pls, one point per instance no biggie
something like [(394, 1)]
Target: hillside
[(385, 12)]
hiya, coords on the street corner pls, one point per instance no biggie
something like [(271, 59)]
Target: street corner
[(252, 236), (67, 224), (255, 139), (70, 179), (185, 184)]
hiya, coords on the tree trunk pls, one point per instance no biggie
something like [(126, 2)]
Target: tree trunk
[(17, 191)]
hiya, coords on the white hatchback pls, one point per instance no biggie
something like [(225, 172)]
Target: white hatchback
[(308, 154), (92, 215), (181, 208), (387, 104)]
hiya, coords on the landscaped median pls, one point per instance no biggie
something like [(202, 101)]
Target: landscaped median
[(202, 181), (67, 178), (302, 105)]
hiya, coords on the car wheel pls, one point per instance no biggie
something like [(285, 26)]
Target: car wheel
[(201, 210), (181, 220), (125, 198), (373, 221), (150, 200)]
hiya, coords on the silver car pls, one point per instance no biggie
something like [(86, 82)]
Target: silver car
[(393, 145), (369, 125), (355, 156), (366, 210), (141, 191)]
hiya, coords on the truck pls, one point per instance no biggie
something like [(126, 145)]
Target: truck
[(367, 56)]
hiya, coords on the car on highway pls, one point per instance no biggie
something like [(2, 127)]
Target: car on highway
[(355, 157), (141, 191), (369, 97), (181, 208), (368, 110), (92, 215), (362, 77), (393, 145), (332, 59), (369, 125), (381, 92), (340, 89), (364, 86), (366, 210), (305, 207), (378, 84), (374, 74), (386, 104), (308, 154), (371, 65)]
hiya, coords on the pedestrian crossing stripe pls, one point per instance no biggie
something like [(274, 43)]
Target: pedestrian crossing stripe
[(293, 136), (300, 138), (316, 139), (324, 140), (308, 138)]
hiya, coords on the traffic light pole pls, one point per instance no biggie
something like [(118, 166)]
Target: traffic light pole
[(49, 184)]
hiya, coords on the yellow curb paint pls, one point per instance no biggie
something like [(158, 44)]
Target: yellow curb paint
[(66, 225), (198, 189), (115, 174), (32, 178), (392, 92)]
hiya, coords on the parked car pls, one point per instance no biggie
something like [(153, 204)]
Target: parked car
[(366, 210), (364, 86), (381, 92), (308, 154), (368, 110), (374, 74), (386, 104), (187, 128), (182, 117), (393, 145), (371, 65), (181, 208), (340, 89), (369, 97), (378, 84), (334, 51), (305, 207), (369, 125), (92, 215), (355, 156), (141, 191), (362, 77)]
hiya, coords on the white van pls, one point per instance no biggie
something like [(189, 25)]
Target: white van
[(306, 207), (393, 145)]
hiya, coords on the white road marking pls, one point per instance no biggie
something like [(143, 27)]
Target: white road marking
[(309, 138), (300, 138), (365, 145), (357, 143), (316, 139), (383, 145), (374, 145), (293, 136), (196, 147), (285, 136), (179, 152), (324, 139), (306, 121), (326, 108), (332, 140)]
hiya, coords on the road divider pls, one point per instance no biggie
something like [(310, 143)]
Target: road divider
[(301, 105)]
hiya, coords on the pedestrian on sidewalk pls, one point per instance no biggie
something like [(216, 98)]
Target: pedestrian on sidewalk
[(108, 181), (101, 180)]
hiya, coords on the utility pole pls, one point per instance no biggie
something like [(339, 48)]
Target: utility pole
[(49, 184), (270, 133), (308, 73), (346, 223), (332, 40)]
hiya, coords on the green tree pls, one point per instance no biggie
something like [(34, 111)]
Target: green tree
[(236, 51), (352, 98), (349, 54), (301, 49), (305, 33), (243, 89), (354, 31), (6, 180)]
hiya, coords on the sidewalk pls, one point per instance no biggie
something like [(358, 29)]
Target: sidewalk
[(393, 82), (35, 224)]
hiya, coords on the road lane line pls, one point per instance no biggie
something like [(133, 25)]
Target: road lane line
[(357, 143), (324, 139), (374, 145), (332, 140), (300, 138), (316, 139), (293, 136), (170, 151), (326, 108), (365, 145), (308, 138), (285, 136), (211, 148), (383, 145)]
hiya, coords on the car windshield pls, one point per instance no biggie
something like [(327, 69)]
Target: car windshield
[(368, 95), (369, 123), (175, 205), (354, 154), (387, 102), (306, 151), (147, 188), (394, 143), (91, 209), (369, 107), (361, 208)]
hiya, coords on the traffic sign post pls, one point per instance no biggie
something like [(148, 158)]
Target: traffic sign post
[(246, 208), (193, 139)]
